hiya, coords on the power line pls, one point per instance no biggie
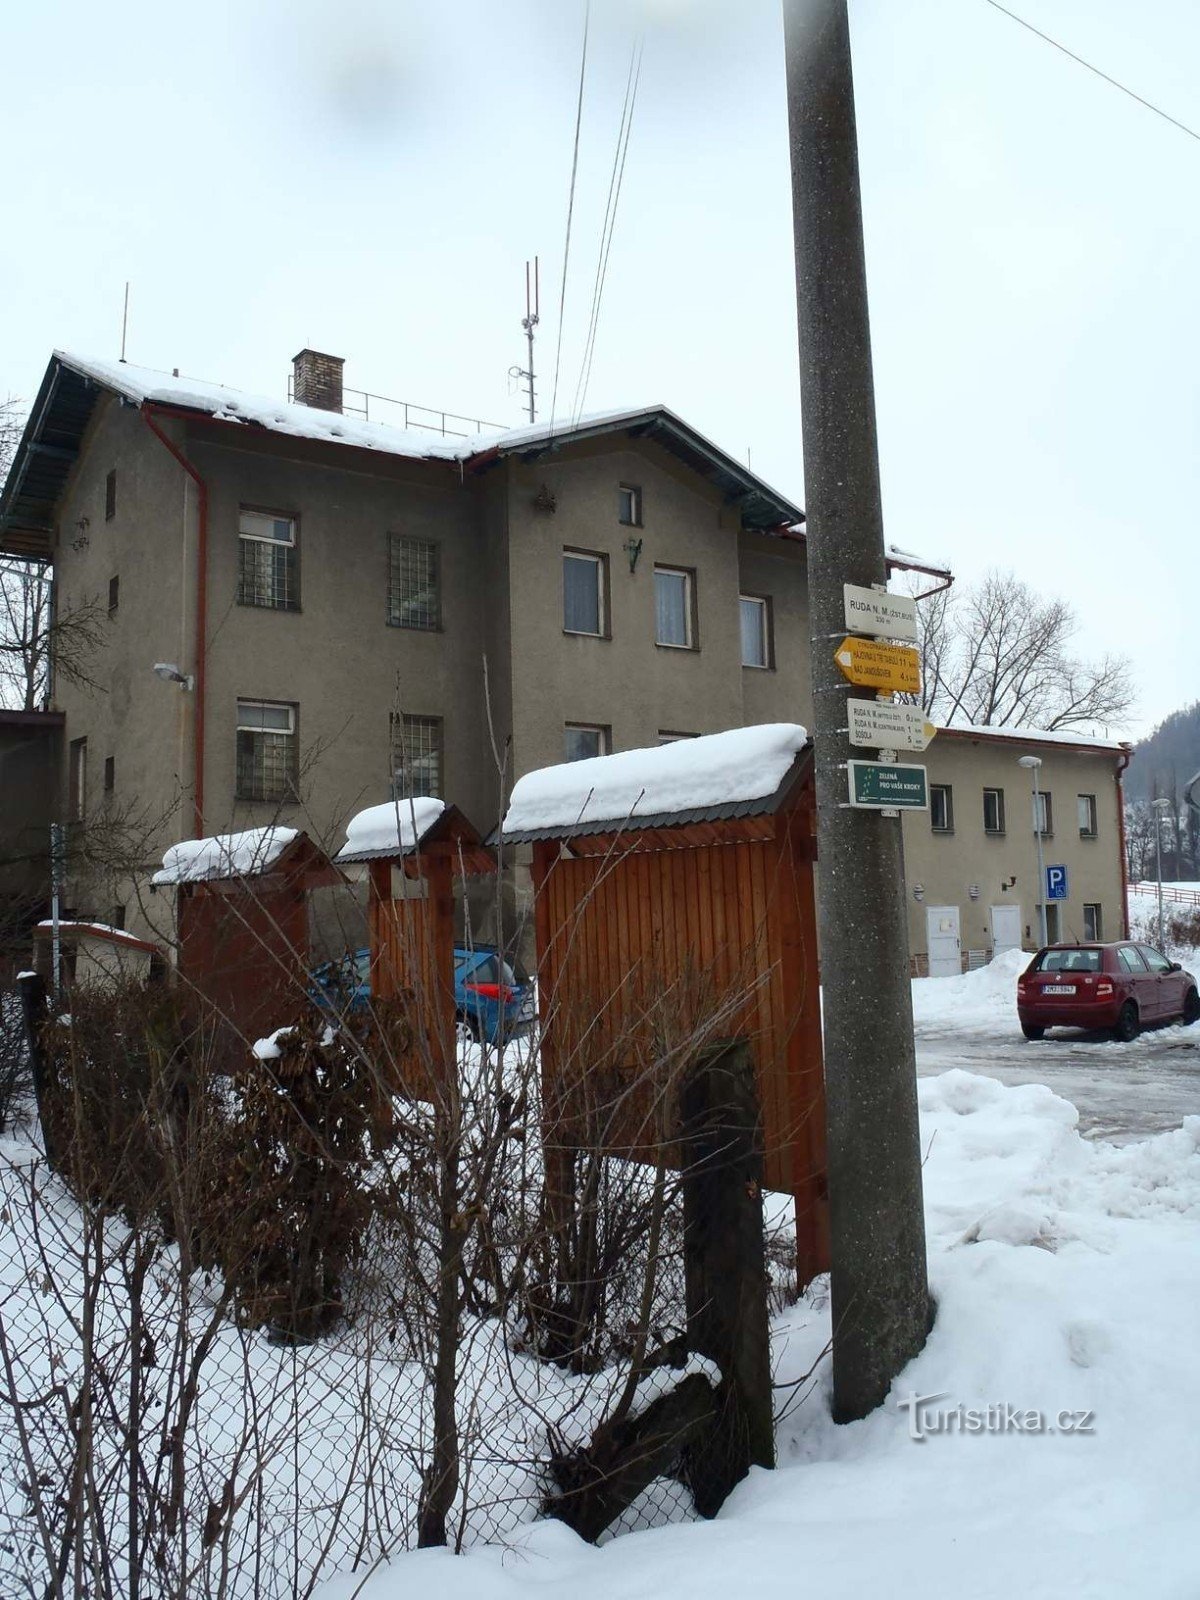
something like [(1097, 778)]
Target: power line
[(562, 297), (1149, 104), (610, 221)]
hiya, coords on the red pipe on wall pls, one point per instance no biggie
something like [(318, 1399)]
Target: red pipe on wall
[(1126, 758), (201, 618)]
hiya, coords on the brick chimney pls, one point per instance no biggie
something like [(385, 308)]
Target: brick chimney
[(317, 380)]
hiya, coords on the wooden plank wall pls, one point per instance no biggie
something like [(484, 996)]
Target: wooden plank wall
[(640, 949), (412, 960)]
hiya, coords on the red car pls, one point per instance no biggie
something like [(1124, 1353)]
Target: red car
[(1121, 987)]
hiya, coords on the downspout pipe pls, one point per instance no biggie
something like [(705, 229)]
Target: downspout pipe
[(1126, 758), (200, 674)]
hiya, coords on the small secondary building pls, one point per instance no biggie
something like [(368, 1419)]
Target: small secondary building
[(971, 860)]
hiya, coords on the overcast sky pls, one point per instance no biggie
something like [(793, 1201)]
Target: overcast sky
[(368, 177)]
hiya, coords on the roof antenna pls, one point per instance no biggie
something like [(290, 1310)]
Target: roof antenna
[(529, 322), (125, 320)]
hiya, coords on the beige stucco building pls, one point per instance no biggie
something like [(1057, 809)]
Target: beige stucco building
[(350, 605)]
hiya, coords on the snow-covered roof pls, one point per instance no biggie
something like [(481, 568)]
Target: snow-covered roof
[(717, 769), (225, 855), (1069, 736), (71, 929), (391, 829)]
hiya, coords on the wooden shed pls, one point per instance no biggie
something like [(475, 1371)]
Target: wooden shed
[(673, 903), (242, 921), (414, 851), (97, 955)]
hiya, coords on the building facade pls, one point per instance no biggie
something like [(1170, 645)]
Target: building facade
[(308, 612)]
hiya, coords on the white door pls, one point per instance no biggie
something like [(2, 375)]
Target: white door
[(1006, 929), (942, 941)]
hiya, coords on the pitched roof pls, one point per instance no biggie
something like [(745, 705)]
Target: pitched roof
[(1071, 738)]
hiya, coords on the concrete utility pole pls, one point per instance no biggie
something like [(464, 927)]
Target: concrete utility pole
[(1033, 765), (880, 1289)]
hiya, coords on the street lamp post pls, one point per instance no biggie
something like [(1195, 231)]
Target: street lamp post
[(1033, 765), (1161, 806)]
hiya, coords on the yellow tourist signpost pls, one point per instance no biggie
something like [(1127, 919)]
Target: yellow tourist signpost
[(887, 668)]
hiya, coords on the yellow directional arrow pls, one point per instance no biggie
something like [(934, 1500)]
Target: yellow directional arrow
[(894, 668)]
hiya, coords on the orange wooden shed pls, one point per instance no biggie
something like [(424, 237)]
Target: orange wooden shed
[(662, 926), (242, 921), (414, 850)]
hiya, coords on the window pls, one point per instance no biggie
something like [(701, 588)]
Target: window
[(416, 756), (585, 593), (1043, 814), (1069, 961), (110, 496), (629, 505), (1087, 816), (1154, 959), (267, 768), (674, 599), (666, 736), (77, 795), (268, 573), (941, 808), (414, 583), (110, 774), (581, 740), (993, 811), (1093, 923), (1051, 921), (1131, 961), (114, 595), (756, 631)]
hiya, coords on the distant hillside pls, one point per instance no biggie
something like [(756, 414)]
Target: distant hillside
[(1167, 758)]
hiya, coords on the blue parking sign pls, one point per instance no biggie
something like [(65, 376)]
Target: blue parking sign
[(1056, 883)]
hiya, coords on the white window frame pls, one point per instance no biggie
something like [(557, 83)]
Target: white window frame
[(1092, 830), (763, 603), (287, 731), (1096, 936), (634, 502), (1043, 814), (689, 607), (603, 738), (999, 829), (256, 526), (599, 563), (947, 790)]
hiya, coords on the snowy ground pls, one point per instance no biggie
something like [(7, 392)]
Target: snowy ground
[(1067, 1273), (1122, 1091)]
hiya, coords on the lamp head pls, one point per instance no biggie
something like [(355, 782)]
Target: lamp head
[(170, 673), (1031, 762)]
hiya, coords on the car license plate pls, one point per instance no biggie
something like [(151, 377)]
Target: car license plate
[(1058, 988)]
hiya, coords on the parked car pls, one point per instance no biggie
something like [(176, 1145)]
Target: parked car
[(490, 1001), (1121, 987)]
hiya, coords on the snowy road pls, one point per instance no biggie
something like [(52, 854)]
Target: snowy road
[(1122, 1091)]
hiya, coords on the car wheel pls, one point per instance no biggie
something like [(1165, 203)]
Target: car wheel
[(465, 1031), (1030, 1032), (1191, 1006), (1128, 1023)]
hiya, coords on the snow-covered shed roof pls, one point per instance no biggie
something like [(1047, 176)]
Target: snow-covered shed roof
[(392, 829), (742, 772), (225, 855), (75, 930)]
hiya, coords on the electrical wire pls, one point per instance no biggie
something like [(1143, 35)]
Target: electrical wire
[(610, 218), (1149, 104), (562, 297)]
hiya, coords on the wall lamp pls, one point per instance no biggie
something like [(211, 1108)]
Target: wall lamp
[(170, 673)]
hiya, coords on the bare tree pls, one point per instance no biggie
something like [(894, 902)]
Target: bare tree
[(998, 654)]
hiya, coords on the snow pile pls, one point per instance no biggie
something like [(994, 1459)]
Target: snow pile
[(1067, 736), (985, 998), (225, 855), (390, 829), (1067, 1276), (271, 1048), (715, 770)]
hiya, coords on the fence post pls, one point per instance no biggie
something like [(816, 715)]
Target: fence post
[(34, 1010), (725, 1266)]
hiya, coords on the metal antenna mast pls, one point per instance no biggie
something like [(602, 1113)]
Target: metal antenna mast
[(529, 322)]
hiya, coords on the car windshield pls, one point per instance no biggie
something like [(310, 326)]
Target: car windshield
[(1068, 961)]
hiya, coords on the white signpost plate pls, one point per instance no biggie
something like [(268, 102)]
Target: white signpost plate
[(884, 616), (875, 725)]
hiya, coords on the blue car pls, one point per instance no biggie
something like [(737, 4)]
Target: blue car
[(490, 1001)]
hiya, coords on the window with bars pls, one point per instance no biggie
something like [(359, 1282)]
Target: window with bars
[(414, 583), (416, 756), (268, 571), (267, 751)]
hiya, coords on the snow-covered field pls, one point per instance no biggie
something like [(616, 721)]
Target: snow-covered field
[(1067, 1275)]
